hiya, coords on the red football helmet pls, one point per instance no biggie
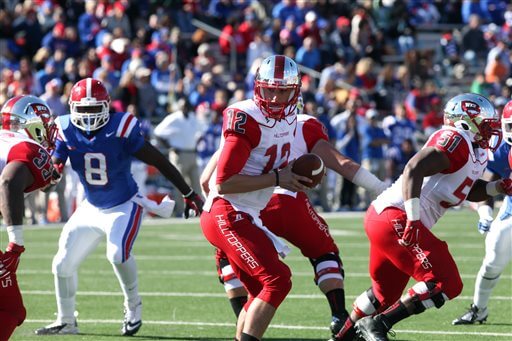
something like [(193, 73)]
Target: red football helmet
[(506, 122), (31, 116), (277, 86), (89, 103)]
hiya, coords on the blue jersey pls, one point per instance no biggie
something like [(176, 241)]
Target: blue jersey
[(498, 164), (102, 161)]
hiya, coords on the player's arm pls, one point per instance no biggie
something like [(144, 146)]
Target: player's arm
[(208, 170), (152, 156), (346, 167), (15, 178)]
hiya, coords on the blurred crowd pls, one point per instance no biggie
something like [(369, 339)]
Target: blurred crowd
[(369, 73)]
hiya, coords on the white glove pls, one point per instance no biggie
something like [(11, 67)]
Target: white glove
[(485, 220)]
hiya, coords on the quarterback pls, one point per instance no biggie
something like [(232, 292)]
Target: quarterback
[(27, 135)]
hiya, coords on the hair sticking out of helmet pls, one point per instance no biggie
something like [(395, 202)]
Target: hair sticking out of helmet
[(277, 86), (506, 122), (89, 103), (475, 115), (32, 117)]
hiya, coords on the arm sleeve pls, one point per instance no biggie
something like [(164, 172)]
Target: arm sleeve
[(454, 145), (314, 131)]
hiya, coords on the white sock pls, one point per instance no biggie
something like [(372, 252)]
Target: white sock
[(483, 289), (65, 291), (127, 275)]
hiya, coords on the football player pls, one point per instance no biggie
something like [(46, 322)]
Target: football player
[(254, 152), (100, 146), (498, 241), (444, 173), (290, 215), (27, 134)]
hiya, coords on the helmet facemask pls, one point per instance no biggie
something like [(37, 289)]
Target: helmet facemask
[(89, 115)]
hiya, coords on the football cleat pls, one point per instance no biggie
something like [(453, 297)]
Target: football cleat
[(58, 328), (372, 329), (474, 314), (343, 330), (132, 320)]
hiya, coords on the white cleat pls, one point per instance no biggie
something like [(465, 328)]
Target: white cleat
[(473, 315), (58, 328), (132, 320)]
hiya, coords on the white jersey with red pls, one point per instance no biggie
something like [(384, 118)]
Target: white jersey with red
[(270, 142), (18, 147), (448, 188), (309, 131)]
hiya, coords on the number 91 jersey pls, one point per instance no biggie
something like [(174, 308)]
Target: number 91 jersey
[(445, 189), (102, 161)]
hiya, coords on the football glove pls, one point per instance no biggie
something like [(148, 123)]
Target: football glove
[(411, 233), (193, 204), (485, 220), (506, 186), (10, 259)]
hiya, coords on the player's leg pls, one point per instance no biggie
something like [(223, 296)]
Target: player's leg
[(254, 259), (121, 225), (235, 290), (12, 310), (429, 262), (497, 255), (76, 242)]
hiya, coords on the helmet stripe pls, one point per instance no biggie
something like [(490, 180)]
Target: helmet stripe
[(279, 67), (88, 87)]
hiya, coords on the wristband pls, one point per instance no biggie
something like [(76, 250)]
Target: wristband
[(491, 189), (412, 209), (485, 212), (15, 233), (277, 176), (189, 194)]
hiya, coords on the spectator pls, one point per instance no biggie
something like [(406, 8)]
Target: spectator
[(309, 55), (147, 102), (474, 45)]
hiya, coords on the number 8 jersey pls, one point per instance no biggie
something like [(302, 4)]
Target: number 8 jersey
[(445, 189), (102, 161)]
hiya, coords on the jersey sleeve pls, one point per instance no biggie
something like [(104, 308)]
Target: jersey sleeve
[(235, 153), (61, 150), (313, 131), (37, 159), (454, 145), (238, 122), (129, 129)]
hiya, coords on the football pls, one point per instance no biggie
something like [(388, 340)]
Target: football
[(310, 165)]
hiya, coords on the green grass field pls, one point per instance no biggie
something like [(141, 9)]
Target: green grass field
[(183, 299)]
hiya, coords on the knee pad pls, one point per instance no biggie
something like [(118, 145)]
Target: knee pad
[(275, 290), (366, 304), (227, 276), (327, 266), (490, 272), (426, 295), (63, 267)]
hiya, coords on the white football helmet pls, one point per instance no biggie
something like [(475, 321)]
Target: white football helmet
[(31, 116), (475, 115), (277, 72), (506, 122), (89, 103)]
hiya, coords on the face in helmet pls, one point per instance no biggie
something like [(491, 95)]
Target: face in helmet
[(506, 122), (32, 117), (277, 86), (475, 115), (89, 104)]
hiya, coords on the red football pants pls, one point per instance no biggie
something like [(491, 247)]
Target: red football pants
[(295, 220), (250, 252), (12, 311), (391, 265)]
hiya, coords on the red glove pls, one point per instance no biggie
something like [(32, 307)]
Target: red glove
[(411, 233), (506, 186), (10, 259), (193, 202)]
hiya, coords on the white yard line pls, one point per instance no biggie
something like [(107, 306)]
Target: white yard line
[(206, 294), (280, 326)]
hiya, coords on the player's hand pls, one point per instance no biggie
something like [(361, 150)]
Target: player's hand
[(411, 233), (291, 181), (485, 218), (10, 259), (506, 186), (193, 203)]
